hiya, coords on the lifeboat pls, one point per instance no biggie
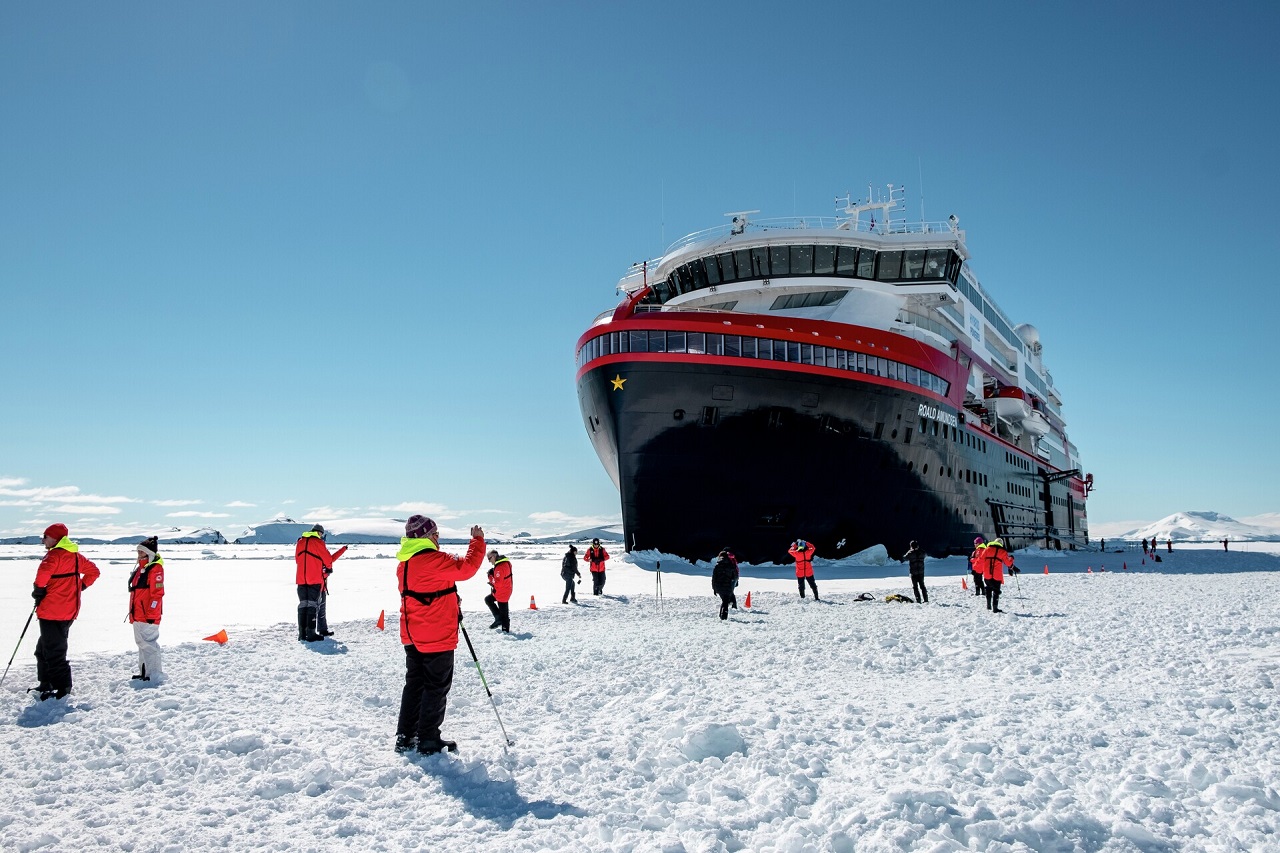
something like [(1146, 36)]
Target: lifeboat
[(1009, 403), (1036, 424)]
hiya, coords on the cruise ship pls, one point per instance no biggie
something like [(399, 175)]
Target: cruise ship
[(847, 380)]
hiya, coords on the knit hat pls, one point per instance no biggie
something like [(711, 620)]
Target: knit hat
[(977, 540), (419, 527), (318, 528), (150, 546), (57, 531), (915, 544)]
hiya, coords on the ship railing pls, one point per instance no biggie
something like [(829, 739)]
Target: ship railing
[(830, 223), (910, 318)]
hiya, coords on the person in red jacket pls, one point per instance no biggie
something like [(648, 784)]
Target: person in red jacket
[(995, 559), (62, 576), (429, 615), (975, 564), (802, 552), (596, 555), (315, 564), (499, 596), (146, 604)]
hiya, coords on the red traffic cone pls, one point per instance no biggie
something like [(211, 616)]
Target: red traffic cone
[(382, 621), (1046, 570), (747, 603), (533, 605), (964, 584), (220, 638), (1125, 566)]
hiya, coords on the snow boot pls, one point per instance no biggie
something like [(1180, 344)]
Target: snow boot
[(302, 626), (431, 747), (497, 623), (405, 743)]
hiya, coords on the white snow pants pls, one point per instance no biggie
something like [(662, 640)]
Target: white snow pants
[(147, 637)]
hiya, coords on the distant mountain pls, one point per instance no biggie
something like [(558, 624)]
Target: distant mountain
[(388, 531), (1203, 527), (170, 536)]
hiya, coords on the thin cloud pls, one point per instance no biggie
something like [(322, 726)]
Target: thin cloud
[(190, 513), (177, 503), (562, 519), (90, 509), (21, 503), (240, 504), (11, 482), (432, 509)]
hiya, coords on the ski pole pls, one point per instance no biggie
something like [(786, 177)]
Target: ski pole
[(658, 581), (15, 648), (472, 649)]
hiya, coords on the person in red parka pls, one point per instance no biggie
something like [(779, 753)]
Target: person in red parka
[(802, 552), (995, 559), (146, 605), (315, 564), (596, 555), (975, 564), (62, 576), (429, 615), (499, 597)]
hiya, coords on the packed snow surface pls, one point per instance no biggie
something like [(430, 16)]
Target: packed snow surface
[(1131, 709)]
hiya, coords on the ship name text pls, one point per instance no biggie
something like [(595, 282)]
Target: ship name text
[(934, 413)]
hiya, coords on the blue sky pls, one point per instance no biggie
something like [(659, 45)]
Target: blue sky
[(332, 258)]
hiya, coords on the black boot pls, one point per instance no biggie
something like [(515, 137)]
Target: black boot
[(406, 743), (431, 747), (302, 626)]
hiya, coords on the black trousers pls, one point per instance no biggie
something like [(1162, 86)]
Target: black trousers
[(917, 587), (427, 679), (993, 594), (977, 583), (727, 599), (570, 594), (812, 583), (500, 610), (597, 583), (51, 655)]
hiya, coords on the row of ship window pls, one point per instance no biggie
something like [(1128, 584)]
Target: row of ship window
[(899, 266), (767, 349)]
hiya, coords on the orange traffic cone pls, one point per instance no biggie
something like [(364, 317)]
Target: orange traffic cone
[(220, 638), (382, 621), (964, 584), (747, 603), (1046, 570), (1091, 570), (1125, 567), (533, 605)]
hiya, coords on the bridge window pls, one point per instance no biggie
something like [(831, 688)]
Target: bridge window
[(802, 260), (866, 263), (727, 271), (889, 266), (935, 263), (913, 263), (824, 260), (760, 262), (713, 270), (780, 260), (847, 261)]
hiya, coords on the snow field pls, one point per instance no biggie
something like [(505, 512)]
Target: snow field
[(1116, 711)]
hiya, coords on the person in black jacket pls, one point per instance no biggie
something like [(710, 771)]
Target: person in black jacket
[(724, 578), (568, 571), (915, 562)]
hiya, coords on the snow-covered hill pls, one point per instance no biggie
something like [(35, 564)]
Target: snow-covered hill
[(169, 536), (1202, 527)]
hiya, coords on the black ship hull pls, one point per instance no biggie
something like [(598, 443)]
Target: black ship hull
[(752, 456)]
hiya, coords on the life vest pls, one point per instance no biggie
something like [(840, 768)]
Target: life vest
[(500, 579), (596, 555), (427, 579), (804, 560), (995, 559), (146, 592), (64, 574), (313, 559)]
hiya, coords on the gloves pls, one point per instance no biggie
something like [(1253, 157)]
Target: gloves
[(38, 593)]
